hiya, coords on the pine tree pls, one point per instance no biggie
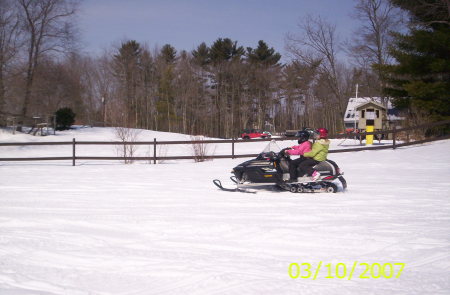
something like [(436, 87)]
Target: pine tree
[(225, 56), (168, 53), (126, 67), (201, 55), (263, 54), (166, 104), (263, 69), (225, 50), (421, 78)]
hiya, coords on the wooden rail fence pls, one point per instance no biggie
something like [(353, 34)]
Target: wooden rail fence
[(155, 143)]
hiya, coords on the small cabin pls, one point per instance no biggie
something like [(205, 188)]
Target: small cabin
[(371, 114), (363, 111)]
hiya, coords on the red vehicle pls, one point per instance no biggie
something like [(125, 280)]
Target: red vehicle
[(255, 133)]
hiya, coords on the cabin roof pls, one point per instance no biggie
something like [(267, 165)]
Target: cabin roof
[(370, 103)]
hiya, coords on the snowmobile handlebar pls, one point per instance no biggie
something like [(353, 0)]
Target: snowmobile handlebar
[(283, 153), (274, 155)]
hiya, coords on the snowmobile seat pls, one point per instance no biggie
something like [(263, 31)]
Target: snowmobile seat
[(326, 168)]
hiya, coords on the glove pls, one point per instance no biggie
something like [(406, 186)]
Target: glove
[(283, 151)]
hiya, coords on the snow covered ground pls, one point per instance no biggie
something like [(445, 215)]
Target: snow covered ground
[(110, 228)]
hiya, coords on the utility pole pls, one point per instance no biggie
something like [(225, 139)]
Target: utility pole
[(104, 111), (354, 109)]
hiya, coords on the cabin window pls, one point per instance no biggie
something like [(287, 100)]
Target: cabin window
[(370, 114)]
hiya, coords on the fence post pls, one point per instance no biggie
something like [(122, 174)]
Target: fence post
[(393, 138), (154, 150), (73, 152), (232, 147)]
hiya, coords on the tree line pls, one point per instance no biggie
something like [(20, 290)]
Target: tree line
[(220, 88)]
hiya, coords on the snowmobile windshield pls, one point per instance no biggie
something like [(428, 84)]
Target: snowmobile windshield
[(272, 147)]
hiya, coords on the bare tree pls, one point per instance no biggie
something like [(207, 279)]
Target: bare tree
[(101, 88), (9, 31), (186, 92), (47, 27), (297, 85), (372, 39), (60, 83), (318, 43)]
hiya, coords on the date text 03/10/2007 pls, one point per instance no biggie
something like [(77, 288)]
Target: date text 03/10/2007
[(359, 270)]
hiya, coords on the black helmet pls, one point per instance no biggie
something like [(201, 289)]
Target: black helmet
[(302, 136)]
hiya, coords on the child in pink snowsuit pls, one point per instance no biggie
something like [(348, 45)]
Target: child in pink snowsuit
[(304, 146), (300, 149)]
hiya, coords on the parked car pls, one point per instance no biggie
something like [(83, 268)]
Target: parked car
[(254, 133), (290, 133), (311, 131), (294, 133)]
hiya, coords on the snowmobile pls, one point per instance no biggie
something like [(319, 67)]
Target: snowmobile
[(271, 169)]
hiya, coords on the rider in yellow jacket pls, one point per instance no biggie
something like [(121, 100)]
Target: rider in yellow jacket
[(317, 154)]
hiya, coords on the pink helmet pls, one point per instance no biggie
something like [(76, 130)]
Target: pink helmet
[(323, 132)]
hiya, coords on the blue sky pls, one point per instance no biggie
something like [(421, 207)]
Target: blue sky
[(185, 24)]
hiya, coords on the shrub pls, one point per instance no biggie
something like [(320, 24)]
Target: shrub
[(200, 149), (129, 135), (65, 117)]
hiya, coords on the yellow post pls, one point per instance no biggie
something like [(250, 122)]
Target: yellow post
[(369, 138)]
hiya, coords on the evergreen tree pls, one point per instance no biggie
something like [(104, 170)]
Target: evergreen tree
[(263, 69), (225, 50), (126, 68), (147, 111), (263, 54), (201, 55), (426, 11), (168, 53), (65, 117), (165, 105), (225, 56), (421, 78)]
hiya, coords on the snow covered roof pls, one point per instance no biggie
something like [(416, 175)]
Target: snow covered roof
[(354, 103), (370, 103)]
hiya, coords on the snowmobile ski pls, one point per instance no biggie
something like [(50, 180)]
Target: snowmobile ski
[(218, 183)]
